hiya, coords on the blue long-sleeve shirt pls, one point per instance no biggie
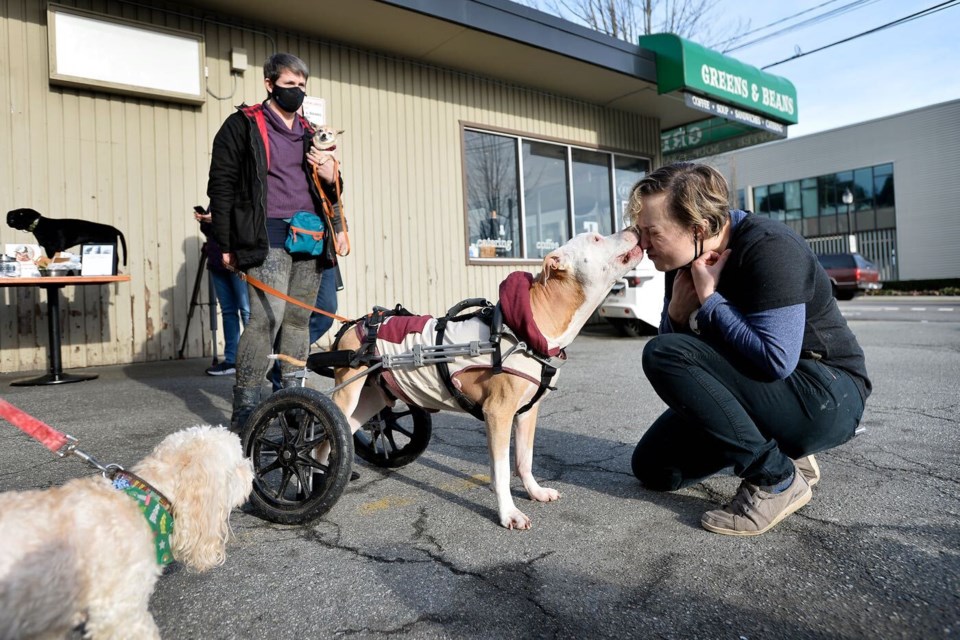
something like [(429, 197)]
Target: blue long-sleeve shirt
[(771, 340)]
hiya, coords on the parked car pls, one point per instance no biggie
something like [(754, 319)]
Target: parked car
[(634, 303), (850, 274)]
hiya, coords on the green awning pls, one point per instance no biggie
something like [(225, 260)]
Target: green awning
[(686, 66), (710, 137)]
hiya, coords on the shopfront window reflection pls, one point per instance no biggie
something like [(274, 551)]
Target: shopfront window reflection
[(492, 214), (545, 197), (566, 190), (591, 192)]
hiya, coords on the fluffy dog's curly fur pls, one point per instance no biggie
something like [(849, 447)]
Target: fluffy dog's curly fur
[(83, 552)]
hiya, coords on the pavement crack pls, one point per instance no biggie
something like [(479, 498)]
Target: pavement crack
[(920, 470), (407, 627), (316, 537), (949, 412), (420, 531)]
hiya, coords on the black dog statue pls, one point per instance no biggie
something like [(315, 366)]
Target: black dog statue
[(59, 234)]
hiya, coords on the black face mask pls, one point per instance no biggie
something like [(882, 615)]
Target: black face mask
[(288, 98)]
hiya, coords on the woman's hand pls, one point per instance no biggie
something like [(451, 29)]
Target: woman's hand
[(202, 217), (325, 163), (705, 272), (683, 299), (343, 244)]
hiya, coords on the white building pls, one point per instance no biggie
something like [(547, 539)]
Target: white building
[(901, 171)]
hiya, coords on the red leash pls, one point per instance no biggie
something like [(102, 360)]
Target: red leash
[(59, 443)]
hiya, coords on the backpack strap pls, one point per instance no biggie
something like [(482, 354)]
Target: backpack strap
[(256, 113)]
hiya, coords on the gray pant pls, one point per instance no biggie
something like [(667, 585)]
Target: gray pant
[(298, 278)]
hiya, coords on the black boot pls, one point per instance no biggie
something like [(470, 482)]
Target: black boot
[(290, 383), (245, 399)]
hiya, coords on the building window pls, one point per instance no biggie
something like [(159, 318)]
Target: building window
[(545, 202), (791, 198), (814, 206), (808, 197), (627, 172), (760, 201), (741, 199), (592, 192), (526, 197), (493, 217), (777, 204)]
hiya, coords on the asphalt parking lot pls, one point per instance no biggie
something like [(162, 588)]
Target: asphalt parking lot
[(416, 552)]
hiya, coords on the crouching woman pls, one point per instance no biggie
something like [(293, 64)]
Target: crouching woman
[(757, 366)]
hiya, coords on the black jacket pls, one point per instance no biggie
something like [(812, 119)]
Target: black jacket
[(238, 195)]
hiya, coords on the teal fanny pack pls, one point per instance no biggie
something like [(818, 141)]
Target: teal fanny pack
[(306, 234)]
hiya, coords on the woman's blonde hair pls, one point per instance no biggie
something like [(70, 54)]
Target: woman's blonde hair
[(697, 195)]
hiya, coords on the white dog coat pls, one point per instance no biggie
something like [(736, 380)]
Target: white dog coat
[(421, 385)]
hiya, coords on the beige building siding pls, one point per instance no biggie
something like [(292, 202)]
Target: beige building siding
[(141, 165)]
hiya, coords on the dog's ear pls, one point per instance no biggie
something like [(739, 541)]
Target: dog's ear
[(554, 264), (207, 487)]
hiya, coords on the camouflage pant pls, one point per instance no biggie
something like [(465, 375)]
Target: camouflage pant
[(298, 278)]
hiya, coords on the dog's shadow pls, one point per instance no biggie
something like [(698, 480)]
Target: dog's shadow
[(586, 462)]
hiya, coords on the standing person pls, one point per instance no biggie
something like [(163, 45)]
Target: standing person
[(231, 294), (754, 360), (326, 300), (262, 174)]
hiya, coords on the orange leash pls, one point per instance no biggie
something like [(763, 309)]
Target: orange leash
[(253, 282), (328, 208)]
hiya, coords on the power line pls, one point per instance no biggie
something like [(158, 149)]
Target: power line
[(920, 14), (766, 26), (823, 17)]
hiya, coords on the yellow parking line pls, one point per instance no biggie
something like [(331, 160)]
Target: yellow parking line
[(385, 503), (458, 486)]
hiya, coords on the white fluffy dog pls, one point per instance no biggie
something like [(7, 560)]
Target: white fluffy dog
[(84, 552)]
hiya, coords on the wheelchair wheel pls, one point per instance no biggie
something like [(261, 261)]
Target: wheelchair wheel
[(395, 437), (290, 486)]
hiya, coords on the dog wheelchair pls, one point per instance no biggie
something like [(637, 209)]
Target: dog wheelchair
[(282, 434)]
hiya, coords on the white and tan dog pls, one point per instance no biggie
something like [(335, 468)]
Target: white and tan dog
[(84, 553), (574, 280)]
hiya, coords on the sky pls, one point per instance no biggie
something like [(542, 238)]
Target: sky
[(898, 69), (901, 68)]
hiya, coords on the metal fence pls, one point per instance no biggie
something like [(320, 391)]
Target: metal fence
[(879, 247)]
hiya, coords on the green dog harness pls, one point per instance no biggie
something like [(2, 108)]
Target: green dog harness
[(155, 508)]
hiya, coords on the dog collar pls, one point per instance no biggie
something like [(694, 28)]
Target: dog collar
[(155, 508), (33, 225)]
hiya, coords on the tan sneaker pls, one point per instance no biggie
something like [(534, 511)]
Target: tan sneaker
[(809, 468), (754, 511)]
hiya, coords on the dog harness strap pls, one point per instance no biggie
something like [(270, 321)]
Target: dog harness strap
[(496, 332), (155, 508), (547, 372), (484, 313), (256, 112)]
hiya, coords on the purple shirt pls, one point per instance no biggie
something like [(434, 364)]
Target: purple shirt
[(287, 188)]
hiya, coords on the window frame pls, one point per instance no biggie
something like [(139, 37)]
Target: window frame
[(570, 218)]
